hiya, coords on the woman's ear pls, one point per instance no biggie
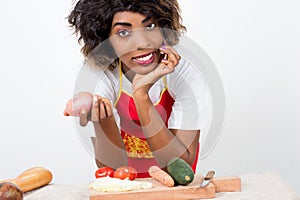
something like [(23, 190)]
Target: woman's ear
[(171, 37)]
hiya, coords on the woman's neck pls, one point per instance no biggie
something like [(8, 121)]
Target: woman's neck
[(127, 72)]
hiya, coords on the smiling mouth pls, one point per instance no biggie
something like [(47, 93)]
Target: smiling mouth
[(145, 59)]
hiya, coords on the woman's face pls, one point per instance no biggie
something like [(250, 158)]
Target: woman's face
[(136, 39)]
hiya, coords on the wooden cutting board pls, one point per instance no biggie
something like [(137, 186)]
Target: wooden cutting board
[(160, 191)]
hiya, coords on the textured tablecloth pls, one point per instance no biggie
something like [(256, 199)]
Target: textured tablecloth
[(254, 187)]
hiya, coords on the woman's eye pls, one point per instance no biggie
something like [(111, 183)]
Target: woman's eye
[(151, 26), (123, 33)]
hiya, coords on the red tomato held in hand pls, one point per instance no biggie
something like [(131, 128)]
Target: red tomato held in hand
[(125, 172), (104, 171)]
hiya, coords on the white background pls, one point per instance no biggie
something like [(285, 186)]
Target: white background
[(255, 46)]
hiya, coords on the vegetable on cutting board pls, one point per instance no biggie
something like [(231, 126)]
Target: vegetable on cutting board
[(31, 179), (161, 176), (104, 171), (125, 172), (181, 171)]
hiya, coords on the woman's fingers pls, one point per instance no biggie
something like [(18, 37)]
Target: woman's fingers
[(90, 108), (95, 109), (101, 109), (83, 117), (173, 60), (170, 51), (108, 108), (173, 57)]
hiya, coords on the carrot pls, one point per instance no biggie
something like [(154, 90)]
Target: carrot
[(161, 176)]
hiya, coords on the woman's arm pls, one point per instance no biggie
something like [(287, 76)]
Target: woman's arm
[(108, 144), (164, 143)]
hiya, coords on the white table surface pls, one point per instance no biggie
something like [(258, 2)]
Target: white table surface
[(254, 187)]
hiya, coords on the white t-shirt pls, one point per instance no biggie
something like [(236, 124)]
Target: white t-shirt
[(191, 109)]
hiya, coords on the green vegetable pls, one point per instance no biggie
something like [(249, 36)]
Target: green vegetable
[(181, 171)]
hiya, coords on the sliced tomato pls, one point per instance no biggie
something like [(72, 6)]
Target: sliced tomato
[(104, 171), (125, 172)]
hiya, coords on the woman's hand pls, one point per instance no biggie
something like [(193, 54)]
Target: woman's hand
[(89, 108), (169, 61), (81, 102), (101, 109), (142, 83)]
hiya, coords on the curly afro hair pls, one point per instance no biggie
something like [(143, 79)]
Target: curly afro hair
[(92, 19)]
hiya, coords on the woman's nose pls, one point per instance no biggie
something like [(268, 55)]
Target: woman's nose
[(141, 39)]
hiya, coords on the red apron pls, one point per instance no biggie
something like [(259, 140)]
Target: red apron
[(139, 154)]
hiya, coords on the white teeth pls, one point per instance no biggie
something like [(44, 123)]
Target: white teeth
[(145, 58)]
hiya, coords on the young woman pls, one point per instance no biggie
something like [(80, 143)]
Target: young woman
[(149, 104)]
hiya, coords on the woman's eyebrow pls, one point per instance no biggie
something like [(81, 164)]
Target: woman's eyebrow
[(146, 19), (128, 24), (122, 24)]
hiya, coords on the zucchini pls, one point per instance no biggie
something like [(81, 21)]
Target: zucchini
[(181, 171)]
